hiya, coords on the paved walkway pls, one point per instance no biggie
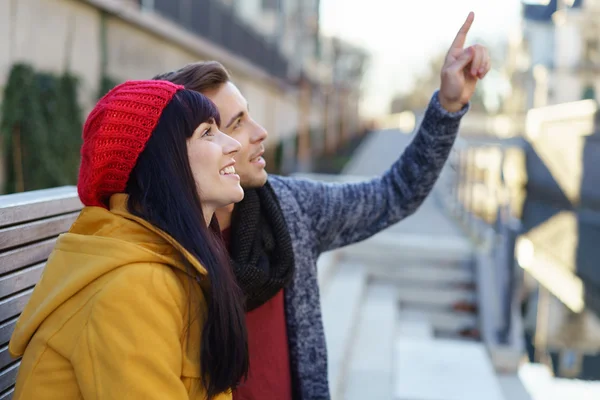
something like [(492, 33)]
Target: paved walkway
[(393, 294)]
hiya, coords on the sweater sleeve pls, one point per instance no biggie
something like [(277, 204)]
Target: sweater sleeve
[(344, 213)]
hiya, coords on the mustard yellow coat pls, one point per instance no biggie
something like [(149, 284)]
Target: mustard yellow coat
[(110, 317)]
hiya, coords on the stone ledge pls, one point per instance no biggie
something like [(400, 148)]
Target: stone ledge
[(340, 307)]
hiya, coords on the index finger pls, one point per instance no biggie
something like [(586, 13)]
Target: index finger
[(461, 36)]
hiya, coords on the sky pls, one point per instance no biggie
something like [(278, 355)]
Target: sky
[(403, 35)]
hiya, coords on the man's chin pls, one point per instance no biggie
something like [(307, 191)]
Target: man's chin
[(255, 181)]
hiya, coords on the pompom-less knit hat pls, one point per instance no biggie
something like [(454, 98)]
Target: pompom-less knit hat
[(115, 133)]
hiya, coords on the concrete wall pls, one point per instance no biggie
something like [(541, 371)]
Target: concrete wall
[(567, 86), (541, 40), (36, 32)]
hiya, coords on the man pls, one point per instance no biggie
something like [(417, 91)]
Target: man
[(278, 231)]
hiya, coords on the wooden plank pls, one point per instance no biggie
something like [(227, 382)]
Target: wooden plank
[(21, 280), (6, 330), (27, 255), (9, 376), (29, 206), (13, 306), (8, 395), (33, 231), (5, 357)]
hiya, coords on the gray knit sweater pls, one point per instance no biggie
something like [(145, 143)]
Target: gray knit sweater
[(324, 216)]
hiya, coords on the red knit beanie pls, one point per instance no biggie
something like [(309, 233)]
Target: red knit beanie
[(114, 135)]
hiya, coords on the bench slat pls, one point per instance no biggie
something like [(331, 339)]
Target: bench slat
[(21, 280), (12, 306), (9, 376), (21, 207), (24, 256), (6, 330), (29, 225), (5, 358), (33, 231), (8, 395)]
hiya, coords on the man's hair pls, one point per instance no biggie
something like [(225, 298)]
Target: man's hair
[(199, 76)]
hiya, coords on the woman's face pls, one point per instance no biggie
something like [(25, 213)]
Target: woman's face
[(211, 153)]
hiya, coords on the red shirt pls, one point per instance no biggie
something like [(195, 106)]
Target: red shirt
[(269, 375)]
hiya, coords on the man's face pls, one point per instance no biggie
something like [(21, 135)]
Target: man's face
[(237, 123)]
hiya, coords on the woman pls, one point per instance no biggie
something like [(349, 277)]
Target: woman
[(137, 300)]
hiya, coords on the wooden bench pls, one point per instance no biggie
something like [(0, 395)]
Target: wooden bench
[(29, 226)]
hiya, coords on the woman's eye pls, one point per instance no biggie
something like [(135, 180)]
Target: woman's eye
[(207, 132), (238, 123)]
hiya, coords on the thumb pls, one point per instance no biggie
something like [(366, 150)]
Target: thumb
[(464, 59)]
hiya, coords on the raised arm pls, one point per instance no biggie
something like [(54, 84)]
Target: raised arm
[(341, 214)]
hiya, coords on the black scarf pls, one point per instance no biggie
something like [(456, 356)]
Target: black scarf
[(261, 246)]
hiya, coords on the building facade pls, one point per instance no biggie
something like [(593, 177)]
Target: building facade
[(555, 58), (271, 48)]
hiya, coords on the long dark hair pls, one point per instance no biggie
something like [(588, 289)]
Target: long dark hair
[(163, 192)]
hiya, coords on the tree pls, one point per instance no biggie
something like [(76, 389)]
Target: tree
[(24, 131)]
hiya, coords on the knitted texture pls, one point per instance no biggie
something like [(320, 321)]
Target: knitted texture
[(261, 247), (115, 133), (325, 216)]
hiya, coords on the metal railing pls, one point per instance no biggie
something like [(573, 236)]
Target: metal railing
[(534, 205), (479, 188)]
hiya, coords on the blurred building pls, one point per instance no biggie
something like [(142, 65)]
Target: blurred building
[(296, 84), (554, 66), (555, 58), (292, 25), (576, 73), (343, 87)]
